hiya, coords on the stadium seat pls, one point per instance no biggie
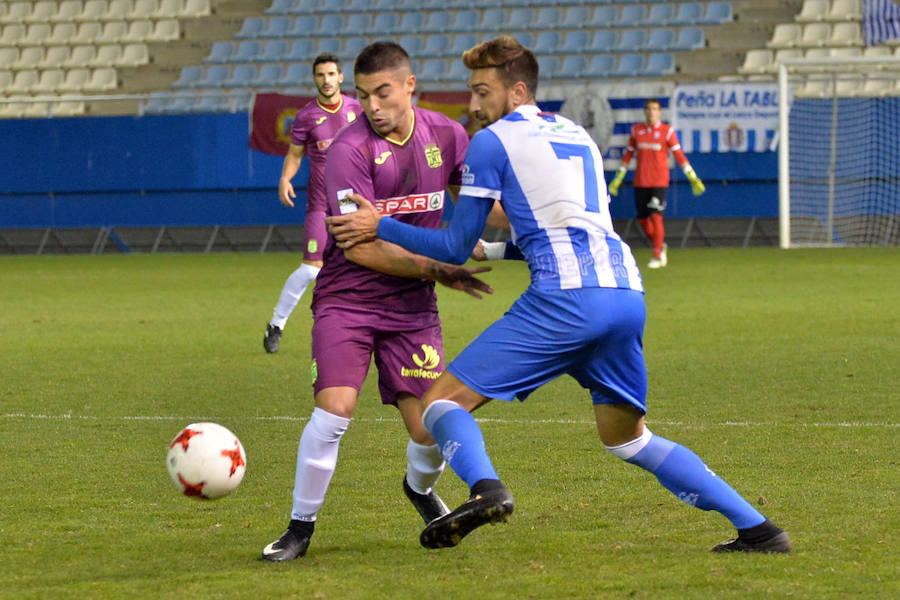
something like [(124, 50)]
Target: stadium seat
[(438, 21), (108, 55), (41, 12), (357, 24), (134, 55), (140, 30), (81, 56), (660, 38), (465, 21), (168, 9), (575, 17), (493, 19), (242, 76), (548, 66), (247, 51), (812, 11), (629, 65), (573, 67), (117, 10), (280, 7), (575, 42), (94, 10), (783, 54), (221, 52), (75, 80), (211, 101), (62, 34), (332, 6), (547, 42), (196, 8), (12, 35), (22, 82), (102, 80), (433, 69), (410, 22), (659, 64), (87, 33), (155, 103), (547, 17), (112, 32), (67, 11), (49, 81), (461, 43), (180, 103), (845, 10), (278, 27), (414, 44), (273, 51), (877, 87), (305, 26), (689, 13), (601, 65), (330, 45), (458, 73), (846, 34), (143, 9), (68, 108), (29, 58), (54, 58), (251, 28), (36, 34), (604, 16), (603, 40), (301, 49), (632, 15), (188, 77), (17, 12), (689, 38), (785, 35), (7, 57), (871, 52), (213, 76), (659, 15), (36, 110), (435, 45), (384, 23), (631, 40), (166, 30), (717, 13), (522, 19), (295, 74), (358, 6), (10, 110), (354, 45), (268, 75), (305, 6), (814, 35)]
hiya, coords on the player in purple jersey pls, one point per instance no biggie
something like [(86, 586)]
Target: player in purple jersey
[(314, 128), (583, 314), (378, 299)]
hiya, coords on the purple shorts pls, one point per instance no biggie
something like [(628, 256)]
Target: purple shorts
[(408, 355), (314, 235)]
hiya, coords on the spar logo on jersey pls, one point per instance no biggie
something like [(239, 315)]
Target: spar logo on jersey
[(433, 156), (322, 145), (468, 177), (414, 203), (426, 364)]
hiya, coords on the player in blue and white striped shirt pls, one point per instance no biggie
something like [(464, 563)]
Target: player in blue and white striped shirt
[(582, 315)]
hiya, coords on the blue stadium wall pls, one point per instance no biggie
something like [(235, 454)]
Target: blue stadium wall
[(195, 170)]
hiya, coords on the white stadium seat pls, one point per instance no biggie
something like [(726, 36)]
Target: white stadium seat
[(785, 35), (846, 34), (41, 12), (102, 80), (68, 11), (94, 10), (75, 80), (49, 82), (55, 57), (845, 10), (814, 35), (81, 56), (812, 11), (757, 61)]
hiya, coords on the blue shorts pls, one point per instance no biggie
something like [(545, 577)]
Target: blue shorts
[(593, 334)]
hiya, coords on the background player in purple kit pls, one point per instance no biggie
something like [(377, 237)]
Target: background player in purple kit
[(314, 129), (374, 299)]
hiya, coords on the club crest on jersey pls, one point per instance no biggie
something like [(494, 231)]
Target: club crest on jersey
[(322, 145), (468, 177), (414, 203), (433, 156), (351, 116)]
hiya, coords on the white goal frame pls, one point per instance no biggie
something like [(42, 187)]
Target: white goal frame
[(835, 70)]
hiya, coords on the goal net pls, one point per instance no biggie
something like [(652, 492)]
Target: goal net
[(839, 152)]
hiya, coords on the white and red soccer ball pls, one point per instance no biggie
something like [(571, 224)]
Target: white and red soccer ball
[(206, 461)]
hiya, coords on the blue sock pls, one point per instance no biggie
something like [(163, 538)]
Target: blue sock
[(685, 475), (460, 440)]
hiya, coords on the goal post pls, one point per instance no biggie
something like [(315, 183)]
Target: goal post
[(839, 151)]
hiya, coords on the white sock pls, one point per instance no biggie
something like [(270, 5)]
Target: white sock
[(316, 461), (424, 466), (293, 289)]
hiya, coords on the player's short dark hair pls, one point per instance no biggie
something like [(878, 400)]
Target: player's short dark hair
[(326, 58), (513, 61), (652, 101), (381, 56)]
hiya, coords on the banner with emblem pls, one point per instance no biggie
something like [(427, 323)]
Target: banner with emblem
[(725, 117), (272, 121)]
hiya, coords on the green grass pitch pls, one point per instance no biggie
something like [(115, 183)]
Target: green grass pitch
[(780, 368)]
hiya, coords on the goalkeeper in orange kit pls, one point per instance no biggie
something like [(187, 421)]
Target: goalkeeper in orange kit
[(651, 141)]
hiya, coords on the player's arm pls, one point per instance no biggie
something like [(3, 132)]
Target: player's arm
[(623, 168), (292, 161), (391, 259), (696, 185)]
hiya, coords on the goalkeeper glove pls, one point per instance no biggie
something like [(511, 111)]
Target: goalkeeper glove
[(696, 185), (617, 181)]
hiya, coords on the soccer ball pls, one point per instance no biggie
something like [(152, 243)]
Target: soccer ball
[(206, 461)]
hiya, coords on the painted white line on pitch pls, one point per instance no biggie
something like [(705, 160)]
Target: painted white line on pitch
[(194, 419)]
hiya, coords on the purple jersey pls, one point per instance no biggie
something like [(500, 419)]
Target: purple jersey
[(314, 129), (407, 181)]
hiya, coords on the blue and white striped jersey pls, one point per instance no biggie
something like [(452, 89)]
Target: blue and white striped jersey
[(547, 173)]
